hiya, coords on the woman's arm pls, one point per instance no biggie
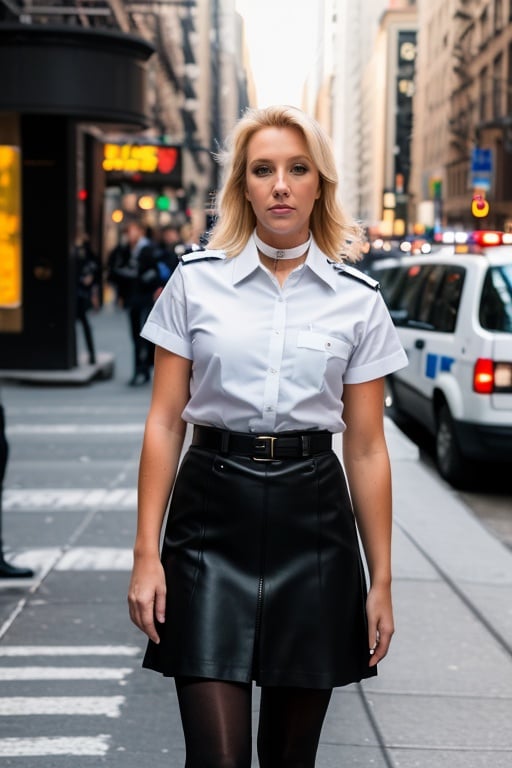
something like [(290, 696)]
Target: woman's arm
[(161, 449), (366, 461)]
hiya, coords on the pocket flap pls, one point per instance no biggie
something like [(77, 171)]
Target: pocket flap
[(323, 343)]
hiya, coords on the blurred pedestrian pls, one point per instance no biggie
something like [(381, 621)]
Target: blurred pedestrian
[(133, 269), (187, 242), (7, 570), (167, 253), (268, 343), (87, 290)]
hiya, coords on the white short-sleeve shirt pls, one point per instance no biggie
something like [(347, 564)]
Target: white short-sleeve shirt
[(267, 358)]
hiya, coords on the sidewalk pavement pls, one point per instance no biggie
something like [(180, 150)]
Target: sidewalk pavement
[(443, 696)]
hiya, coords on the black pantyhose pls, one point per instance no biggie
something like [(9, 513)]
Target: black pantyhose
[(290, 723), (216, 718)]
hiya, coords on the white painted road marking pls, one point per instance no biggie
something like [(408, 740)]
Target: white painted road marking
[(96, 559), (54, 499), (96, 746), (75, 559), (69, 650), (63, 673), (105, 706), (75, 429)]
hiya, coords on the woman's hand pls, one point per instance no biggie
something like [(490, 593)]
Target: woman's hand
[(146, 595), (381, 627)]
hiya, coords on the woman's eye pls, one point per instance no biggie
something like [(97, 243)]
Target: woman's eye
[(299, 169), (261, 170)]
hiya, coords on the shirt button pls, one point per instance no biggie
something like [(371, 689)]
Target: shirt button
[(328, 345), (268, 409), (272, 370)]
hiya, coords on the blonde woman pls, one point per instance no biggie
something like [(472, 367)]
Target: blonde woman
[(269, 343)]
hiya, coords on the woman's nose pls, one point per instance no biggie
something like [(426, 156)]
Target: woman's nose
[(281, 185)]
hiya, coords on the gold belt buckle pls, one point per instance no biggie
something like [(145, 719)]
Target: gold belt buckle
[(269, 446)]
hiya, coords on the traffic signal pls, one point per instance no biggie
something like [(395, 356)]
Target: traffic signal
[(479, 207), (163, 203)]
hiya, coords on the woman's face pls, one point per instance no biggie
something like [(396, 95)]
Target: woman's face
[(282, 184)]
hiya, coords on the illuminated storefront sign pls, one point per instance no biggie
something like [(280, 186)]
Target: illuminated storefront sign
[(143, 162), (10, 227)]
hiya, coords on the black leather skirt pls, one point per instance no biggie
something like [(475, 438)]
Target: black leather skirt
[(265, 580)]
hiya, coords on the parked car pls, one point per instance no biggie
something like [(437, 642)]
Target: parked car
[(453, 312)]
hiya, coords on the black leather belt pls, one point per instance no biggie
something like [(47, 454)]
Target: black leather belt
[(283, 445)]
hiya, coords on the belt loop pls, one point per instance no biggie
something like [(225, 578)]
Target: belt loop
[(224, 442), (306, 445)]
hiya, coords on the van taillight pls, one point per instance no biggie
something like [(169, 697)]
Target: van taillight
[(490, 376), (483, 376)]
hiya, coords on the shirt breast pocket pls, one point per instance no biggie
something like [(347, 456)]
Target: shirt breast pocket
[(321, 360)]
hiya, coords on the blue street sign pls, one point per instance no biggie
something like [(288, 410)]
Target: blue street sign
[(481, 168)]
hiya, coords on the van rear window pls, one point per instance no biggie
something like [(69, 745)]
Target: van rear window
[(496, 302)]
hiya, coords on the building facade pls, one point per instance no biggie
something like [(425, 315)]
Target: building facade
[(372, 87), (103, 105), (462, 140)]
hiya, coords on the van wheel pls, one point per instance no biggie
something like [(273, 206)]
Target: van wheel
[(450, 462)]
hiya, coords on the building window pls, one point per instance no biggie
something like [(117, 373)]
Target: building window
[(498, 83), (483, 96), (484, 28), (498, 15), (509, 80)]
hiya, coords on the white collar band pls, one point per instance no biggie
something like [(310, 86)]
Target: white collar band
[(281, 253)]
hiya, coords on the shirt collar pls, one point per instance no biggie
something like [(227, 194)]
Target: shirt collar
[(318, 263), (248, 261)]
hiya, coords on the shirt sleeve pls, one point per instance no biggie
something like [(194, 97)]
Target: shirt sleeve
[(166, 325), (379, 350)]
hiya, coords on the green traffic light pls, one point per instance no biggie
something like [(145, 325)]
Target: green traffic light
[(163, 203)]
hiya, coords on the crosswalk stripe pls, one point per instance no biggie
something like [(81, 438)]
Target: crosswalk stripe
[(106, 706), (75, 429), (96, 559), (68, 650), (19, 674), (43, 499), (41, 746), (75, 559)]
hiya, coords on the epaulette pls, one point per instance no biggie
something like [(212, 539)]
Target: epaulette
[(201, 255), (355, 274)]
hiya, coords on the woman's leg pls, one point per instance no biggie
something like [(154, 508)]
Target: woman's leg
[(216, 718), (289, 728)]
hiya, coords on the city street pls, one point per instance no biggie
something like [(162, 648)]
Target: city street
[(72, 691)]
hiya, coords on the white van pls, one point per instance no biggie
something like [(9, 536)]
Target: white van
[(453, 312)]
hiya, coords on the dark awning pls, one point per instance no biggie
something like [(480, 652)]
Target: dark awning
[(91, 75)]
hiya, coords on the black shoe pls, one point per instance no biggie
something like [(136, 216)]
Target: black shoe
[(8, 571)]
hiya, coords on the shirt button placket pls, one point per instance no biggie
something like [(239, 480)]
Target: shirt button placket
[(275, 359)]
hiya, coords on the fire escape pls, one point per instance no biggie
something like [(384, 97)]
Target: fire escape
[(167, 24)]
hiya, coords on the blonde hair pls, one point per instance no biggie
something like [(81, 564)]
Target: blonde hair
[(336, 235)]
